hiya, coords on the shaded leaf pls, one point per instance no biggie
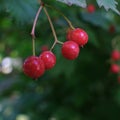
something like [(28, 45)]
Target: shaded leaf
[(21, 10), (97, 18), (81, 3)]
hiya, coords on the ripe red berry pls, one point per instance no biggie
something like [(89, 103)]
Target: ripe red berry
[(115, 55), (111, 28), (68, 35), (70, 50), (49, 59), (114, 68), (79, 36), (33, 67), (91, 8), (44, 48)]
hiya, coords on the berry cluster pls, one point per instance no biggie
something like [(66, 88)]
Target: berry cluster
[(76, 37), (115, 58), (34, 66)]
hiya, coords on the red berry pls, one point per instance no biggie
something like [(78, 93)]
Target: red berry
[(115, 55), (91, 8), (68, 35), (70, 50), (33, 67), (49, 59), (112, 29), (44, 48), (114, 68), (79, 36)]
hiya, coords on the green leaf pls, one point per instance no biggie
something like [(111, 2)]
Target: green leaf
[(21, 10), (81, 3), (97, 18), (108, 4)]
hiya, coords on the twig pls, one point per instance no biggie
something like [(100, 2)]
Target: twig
[(33, 28), (52, 28), (67, 20), (35, 21)]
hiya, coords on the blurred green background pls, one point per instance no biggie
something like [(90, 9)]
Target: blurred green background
[(82, 89)]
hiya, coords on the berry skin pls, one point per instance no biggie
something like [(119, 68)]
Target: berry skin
[(115, 55), (49, 59), (70, 50), (44, 48), (68, 35), (33, 67), (91, 8), (114, 68), (112, 29), (79, 36)]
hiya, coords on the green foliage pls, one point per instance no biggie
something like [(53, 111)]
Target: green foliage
[(27, 8), (107, 4), (24, 8)]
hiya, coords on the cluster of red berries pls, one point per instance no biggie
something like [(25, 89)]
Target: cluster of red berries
[(35, 67), (115, 56), (76, 38)]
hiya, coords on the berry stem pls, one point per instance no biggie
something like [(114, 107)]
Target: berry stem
[(33, 29), (55, 42), (68, 21), (52, 28), (33, 46), (51, 25), (35, 21), (53, 45)]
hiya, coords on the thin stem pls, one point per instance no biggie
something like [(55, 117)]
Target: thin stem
[(53, 29), (53, 45), (55, 42), (60, 42), (51, 24), (33, 29), (68, 21), (33, 46), (35, 21)]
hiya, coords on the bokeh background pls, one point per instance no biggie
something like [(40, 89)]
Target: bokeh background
[(82, 89)]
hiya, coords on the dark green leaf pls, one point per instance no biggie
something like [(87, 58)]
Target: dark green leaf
[(97, 18), (21, 10)]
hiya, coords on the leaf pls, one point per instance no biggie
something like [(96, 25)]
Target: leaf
[(21, 10), (81, 3), (97, 18), (108, 4)]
